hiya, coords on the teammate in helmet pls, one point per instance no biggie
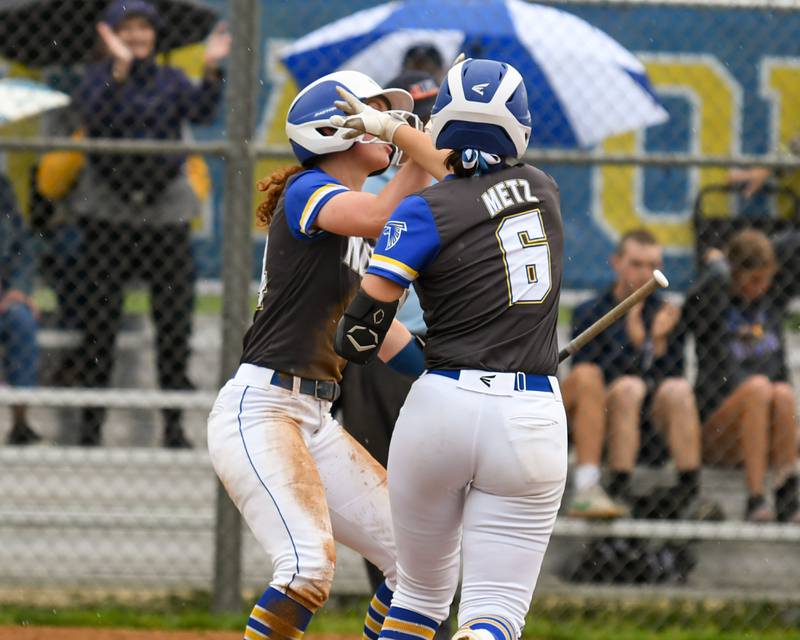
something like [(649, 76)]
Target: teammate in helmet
[(478, 458), (298, 478)]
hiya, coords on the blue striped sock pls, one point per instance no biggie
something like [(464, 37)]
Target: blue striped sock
[(378, 608), (500, 628), (404, 624), (277, 616)]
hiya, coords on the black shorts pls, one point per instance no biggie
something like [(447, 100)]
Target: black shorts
[(653, 451)]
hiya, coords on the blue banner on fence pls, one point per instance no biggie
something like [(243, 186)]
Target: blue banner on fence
[(730, 79)]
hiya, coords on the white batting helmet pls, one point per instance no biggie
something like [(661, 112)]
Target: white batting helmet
[(483, 105), (313, 106)]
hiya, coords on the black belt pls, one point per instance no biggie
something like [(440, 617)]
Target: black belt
[(321, 389)]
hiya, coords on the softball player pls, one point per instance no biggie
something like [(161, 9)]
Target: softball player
[(478, 458), (298, 478)]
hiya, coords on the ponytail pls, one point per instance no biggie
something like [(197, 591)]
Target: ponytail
[(273, 186), (454, 163), (465, 163)]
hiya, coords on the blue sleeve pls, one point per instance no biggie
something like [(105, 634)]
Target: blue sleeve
[(305, 197), (408, 243)]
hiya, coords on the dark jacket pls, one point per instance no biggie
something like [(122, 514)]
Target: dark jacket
[(153, 103)]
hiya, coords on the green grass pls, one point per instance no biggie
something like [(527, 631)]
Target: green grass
[(137, 302), (588, 621), (168, 613)]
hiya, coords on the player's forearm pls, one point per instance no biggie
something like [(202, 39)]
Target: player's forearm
[(419, 146), (396, 339)]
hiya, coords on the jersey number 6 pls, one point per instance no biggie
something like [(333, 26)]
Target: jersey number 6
[(526, 257)]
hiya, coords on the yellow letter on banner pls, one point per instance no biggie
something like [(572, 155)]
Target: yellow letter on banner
[(780, 83), (715, 99)]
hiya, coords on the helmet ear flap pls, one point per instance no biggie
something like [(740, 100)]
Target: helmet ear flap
[(307, 125)]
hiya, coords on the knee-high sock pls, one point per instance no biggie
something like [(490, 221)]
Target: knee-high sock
[(500, 628), (278, 617), (378, 608), (405, 624)]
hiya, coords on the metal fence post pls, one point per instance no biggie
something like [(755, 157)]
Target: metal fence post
[(242, 85)]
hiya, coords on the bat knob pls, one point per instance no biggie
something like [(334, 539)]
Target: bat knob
[(661, 279)]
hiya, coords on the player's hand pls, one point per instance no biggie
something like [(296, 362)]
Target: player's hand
[(218, 46), (751, 179), (634, 326), (363, 119), (123, 56), (713, 255), (665, 320)]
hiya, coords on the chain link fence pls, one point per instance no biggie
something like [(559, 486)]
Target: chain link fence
[(129, 256)]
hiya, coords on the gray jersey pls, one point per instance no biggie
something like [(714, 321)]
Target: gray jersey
[(487, 255)]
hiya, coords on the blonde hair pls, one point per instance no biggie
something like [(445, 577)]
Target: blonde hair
[(749, 250), (273, 186)]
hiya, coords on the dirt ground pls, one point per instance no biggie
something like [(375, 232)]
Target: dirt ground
[(73, 633)]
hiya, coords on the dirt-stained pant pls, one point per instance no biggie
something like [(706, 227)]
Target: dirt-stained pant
[(300, 481), (480, 474)]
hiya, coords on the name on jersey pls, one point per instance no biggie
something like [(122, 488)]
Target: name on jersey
[(507, 193), (357, 255)]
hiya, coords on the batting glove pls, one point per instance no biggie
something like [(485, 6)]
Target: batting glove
[(363, 119)]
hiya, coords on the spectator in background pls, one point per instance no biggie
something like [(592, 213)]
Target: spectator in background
[(134, 211), (737, 311), (17, 311), (52, 186), (426, 59), (752, 179), (634, 368)]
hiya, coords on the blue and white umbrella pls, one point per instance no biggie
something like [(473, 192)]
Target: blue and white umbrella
[(21, 98), (583, 85)]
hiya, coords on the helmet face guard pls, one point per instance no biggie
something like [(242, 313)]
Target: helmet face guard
[(307, 126), (482, 105), (413, 120), (397, 158)]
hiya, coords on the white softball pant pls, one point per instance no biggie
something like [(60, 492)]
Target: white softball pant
[(481, 474), (300, 481)]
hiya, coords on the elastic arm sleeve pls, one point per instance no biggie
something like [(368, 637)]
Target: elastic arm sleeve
[(363, 327), (410, 360)]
